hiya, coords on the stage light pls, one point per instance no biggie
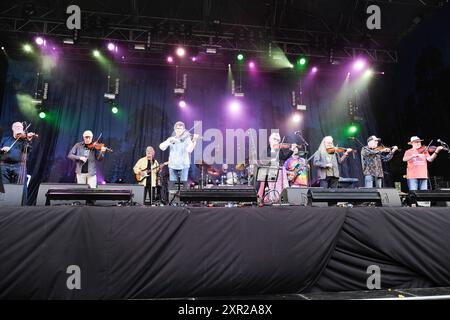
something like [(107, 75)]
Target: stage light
[(296, 117), (181, 52), (314, 70), (240, 57), (96, 53), (27, 48), (291, 66), (252, 65), (194, 59), (114, 109), (169, 59), (3, 48), (68, 41), (235, 106), (39, 41), (368, 73), (302, 61), (182, 103), (42, 115), (359, 65), (112, 46), (352, 129)]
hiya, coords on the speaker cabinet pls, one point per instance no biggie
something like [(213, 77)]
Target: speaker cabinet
[(295, 196), (362, 196), (44, 187), (136, 189), (12, 196)]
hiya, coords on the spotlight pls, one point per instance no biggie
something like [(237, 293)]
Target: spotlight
[(96, 53), (42, 115), (194, 59), (240, 57), (3, 48), (291, 66), (68, 41), (182, 103), (169, 59), (235, 106), (114, 109), (352, 129), (251, 65), (39, 41), (302, 61), (314, 70), (181, 52), (27, 48), (296, 118), (112, 46), (138, 46), (368, 73), (359, 65)]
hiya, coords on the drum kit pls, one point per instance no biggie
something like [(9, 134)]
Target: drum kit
[(211, 176)]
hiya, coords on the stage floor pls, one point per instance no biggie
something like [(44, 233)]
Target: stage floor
[(176, 252)]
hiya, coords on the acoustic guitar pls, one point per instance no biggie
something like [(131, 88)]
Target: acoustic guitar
[(146, 173)]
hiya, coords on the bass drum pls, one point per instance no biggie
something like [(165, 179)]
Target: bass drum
[(231, 178)]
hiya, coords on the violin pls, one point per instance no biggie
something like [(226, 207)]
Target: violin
[(98, 146), (430, 149), (381, 148), (334, 150), (23, 135)]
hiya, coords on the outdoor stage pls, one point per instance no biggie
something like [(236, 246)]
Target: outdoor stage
[(172, 252)]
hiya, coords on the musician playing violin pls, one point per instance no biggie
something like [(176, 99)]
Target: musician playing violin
[(417, 158), (181, 145), (12, 148), (326, 161), (85, 154), (372, 158)]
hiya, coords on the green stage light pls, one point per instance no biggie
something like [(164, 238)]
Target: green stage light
[(302, 61), (352, 130), (27, 48), (240, 57), (96, 53), (114, 110), (42, 115)]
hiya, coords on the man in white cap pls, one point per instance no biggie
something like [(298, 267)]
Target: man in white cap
[(85, 157), (372, 157), (417, 158)]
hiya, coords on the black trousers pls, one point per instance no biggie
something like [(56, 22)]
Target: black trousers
[(329, 182)]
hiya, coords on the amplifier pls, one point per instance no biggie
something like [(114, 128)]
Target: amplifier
[(88, 195), (220, 193)]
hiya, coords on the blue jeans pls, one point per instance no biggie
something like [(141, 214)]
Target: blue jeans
[(417, 184), (370, 180), (173, 177)]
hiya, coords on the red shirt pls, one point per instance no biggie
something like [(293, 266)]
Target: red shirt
[(417, 167)]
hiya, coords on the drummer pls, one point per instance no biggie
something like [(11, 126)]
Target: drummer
[(297, 169)]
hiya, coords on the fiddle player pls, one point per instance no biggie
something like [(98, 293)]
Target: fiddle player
[(417, 158), (327, 163), (85, 157), (12, 149), (372, 157), (181, 145), (145, 165)]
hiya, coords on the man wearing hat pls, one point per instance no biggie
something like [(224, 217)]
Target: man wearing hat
[(372, 157), (417, 158), (85, 159)]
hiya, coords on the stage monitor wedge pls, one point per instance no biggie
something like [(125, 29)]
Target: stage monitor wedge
[(438, 198), (12, 195), (295, 196), (363, 196), (44, 187), (136, 189)]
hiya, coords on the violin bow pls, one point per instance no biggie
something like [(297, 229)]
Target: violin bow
[(17, 139)]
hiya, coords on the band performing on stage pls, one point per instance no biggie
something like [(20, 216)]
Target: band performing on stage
[(289, 160)]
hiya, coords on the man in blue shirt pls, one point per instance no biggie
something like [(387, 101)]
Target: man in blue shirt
[(181, 146), (12, 151)]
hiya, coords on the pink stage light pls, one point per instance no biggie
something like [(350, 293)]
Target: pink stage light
[(314, 70), (182, 104), (296, 118), (39, 41), (181, 52), (112, 47), (194, 59), (359, 65), (169, 59), (252, 65)]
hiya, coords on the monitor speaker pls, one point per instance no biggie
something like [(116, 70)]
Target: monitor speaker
[(44, 187), (295, 196), (362, 196), (12, 195), (136, 189), (438, 198)]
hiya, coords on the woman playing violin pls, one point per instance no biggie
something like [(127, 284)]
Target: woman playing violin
[(85, 155), (417, 158), (372, 157), (326, 161), (12, 149)]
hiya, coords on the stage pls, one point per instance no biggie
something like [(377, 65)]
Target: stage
[(88, 252)]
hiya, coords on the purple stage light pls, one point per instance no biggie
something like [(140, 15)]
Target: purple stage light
[(314, 70), (111, 46), (39, 41), (182, 104), (252, 65), (194, 59), (296, 118), (169, 59), (235, 106), (359, 65), (103, 182)]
